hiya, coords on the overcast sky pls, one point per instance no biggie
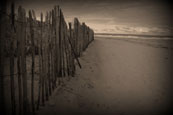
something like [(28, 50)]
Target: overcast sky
[(112, 16)]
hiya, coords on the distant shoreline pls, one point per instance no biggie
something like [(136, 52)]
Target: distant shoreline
[(141, 35)]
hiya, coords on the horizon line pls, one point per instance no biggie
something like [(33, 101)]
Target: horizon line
[(142, 35)]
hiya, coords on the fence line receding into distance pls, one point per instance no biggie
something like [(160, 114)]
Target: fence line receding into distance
[(36, 56)]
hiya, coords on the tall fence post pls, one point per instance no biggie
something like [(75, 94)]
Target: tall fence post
[(12, 59), (2, 57), (31, 20), (23, 61)]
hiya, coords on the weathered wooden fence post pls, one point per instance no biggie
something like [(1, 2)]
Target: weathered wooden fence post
[(52, 48), (19, 37), (12, 59), (3, 7), (31, 20), (40, 61), (49, 53), (72, 53), (46, 57), (23, 61), (57, 37)]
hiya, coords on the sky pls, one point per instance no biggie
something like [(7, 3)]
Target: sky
[(112, 16)]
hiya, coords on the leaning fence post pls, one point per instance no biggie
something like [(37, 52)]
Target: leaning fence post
[(72, 54)]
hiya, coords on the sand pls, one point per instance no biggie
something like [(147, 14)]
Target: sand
[(118, 77)]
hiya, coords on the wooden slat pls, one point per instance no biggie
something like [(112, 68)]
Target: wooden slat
[(19, 47), (3, 6), (12, 84), (31, 19), (40, 62), (23, 58)]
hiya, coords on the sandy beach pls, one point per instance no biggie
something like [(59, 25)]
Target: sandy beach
[(118, 77), (86, 57)]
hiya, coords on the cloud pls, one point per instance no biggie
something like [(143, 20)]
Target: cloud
[(118, 16)]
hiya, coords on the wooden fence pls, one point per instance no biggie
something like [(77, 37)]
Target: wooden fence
[(36, 56)]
